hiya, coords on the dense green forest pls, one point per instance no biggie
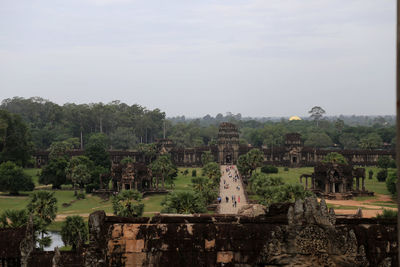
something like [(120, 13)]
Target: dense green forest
[(127, 126)]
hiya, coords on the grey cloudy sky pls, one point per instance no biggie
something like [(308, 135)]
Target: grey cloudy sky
[(255, 57)]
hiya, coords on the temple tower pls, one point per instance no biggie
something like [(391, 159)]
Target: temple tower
[(293, 149), (228, 143)]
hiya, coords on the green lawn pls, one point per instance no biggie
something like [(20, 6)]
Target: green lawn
[(91, 203), (292, 177), (153, 202)]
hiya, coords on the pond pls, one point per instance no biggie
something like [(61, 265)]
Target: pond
[(56, 241)]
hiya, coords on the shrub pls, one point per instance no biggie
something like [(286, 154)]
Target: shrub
[(269, 169), (194, 173), (383, 162), (80, 195), (387, 214), (370, 174), (391, 183), (91, 187), (286, 169), (382, 175), (186, 172), (392, 164)]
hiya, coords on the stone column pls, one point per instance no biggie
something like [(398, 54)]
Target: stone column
[(327, 187), (333, 188), (357, 184), (306, 182), (363, 183)]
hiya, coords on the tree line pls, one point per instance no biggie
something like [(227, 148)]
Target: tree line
[(124, 125), (128, 126)]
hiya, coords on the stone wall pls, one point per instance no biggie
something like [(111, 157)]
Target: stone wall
[(305, 234)]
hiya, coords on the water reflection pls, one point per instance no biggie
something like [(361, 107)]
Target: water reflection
[(56, 241)]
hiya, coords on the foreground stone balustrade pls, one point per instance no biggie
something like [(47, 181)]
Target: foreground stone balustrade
[(303, 234)]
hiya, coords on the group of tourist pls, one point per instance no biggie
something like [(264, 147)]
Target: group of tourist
[(233, 174)]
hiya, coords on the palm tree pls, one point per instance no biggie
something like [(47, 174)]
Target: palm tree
[(13, 218), (185, 202), (74, 232), (43, 206), (212, 171), (200, 184), (128, 204), (162, 167)]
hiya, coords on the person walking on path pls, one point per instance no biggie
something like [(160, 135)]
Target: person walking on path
[(235, 192)]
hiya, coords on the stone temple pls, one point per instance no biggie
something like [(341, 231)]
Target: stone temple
[(228, 143), (335, 181), (291, 153)]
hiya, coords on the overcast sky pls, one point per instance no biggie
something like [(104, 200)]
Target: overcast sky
[(192, 58)]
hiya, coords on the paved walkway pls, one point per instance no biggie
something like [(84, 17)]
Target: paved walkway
[(231, 186)]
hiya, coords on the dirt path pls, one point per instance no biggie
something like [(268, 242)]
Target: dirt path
[(365, 213), (363, 203), (61, 217), (368, 208), (230, 186)]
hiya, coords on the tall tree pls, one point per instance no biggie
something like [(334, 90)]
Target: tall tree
[(54, 173), (149, 151), (318, 139), (316, 113), (348, 141), (15, 140), (97, 150), (162, 167), (79, 171), (59, 149), (249, 162), (13, 178), (371, 141), (123, 138)]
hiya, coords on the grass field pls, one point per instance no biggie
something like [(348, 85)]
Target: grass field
[(292, 177), (182, 183), (91, 203), (369, 204)]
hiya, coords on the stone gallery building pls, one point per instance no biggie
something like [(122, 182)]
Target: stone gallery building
[(228, 149), (335, 181)]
